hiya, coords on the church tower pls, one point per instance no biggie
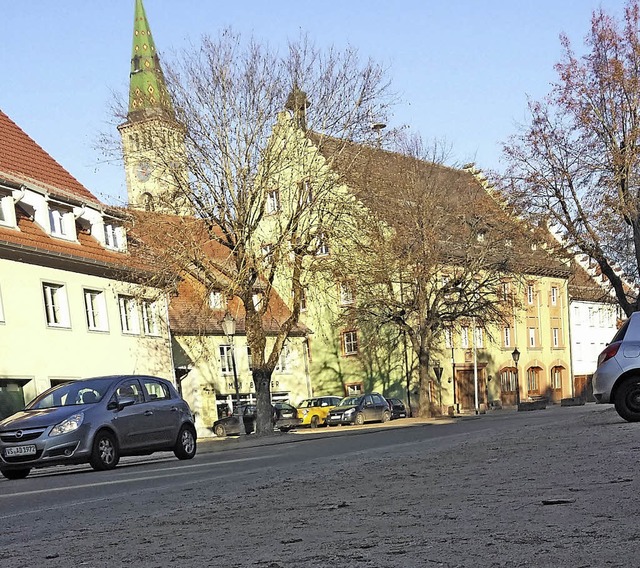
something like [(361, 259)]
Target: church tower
[(152, 139)]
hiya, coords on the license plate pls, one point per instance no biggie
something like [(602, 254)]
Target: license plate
[(14, 451)]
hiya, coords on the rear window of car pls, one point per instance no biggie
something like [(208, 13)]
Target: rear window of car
[(619, 336)]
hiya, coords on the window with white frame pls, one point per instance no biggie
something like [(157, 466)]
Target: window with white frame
[(305, 191), (530, 294), (556, 336), (57, 222), (112, 236), (350, 342), (533, 379), (96, 309), (7, 211), (273, 201), (323, 245), (257, 299), (226, 359), (283, 360), (506, 336), (347, 295), (249, 358), (506, 289), (532, 337), (554, 295), (556, 378), (150, 318), (55, 305), (448, 338), (129, 319), (464, 338), (216, 300), (479, 337)]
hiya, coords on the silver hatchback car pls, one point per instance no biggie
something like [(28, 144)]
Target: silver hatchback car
[(617, 378), (97, 420)]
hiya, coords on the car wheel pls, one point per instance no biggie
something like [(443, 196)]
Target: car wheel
[(386, 416), (359, 421), (220, 431), (104, 454), (185, 444), (627, 399), (16, 473), (314, 422)]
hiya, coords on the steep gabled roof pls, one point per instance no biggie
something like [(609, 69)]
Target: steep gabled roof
[(378, 177), (23, 161)]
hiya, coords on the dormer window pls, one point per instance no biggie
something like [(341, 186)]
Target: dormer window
[(7, 211), (60, 223), (112, 236)]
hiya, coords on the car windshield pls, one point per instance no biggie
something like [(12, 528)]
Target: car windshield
[(350, 401), (71, 394)]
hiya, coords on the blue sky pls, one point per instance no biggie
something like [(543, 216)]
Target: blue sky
[(464, 68)]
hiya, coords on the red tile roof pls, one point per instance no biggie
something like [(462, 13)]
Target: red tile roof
[(24, 161), (168, 237), (30, 238)]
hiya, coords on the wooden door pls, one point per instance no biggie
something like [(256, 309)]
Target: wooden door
[(465, 388)]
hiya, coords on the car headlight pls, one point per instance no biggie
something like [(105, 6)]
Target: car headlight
[(349, 412), (68, 425)]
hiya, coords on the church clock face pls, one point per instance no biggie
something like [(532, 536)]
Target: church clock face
[(143, 171)]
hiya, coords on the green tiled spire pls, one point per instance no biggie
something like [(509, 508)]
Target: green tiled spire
[(147, 90)]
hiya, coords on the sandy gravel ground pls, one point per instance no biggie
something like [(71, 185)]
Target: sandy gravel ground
[(548, 497)]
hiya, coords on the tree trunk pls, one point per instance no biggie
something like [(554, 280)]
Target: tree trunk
[(424, 407), (264, 419)]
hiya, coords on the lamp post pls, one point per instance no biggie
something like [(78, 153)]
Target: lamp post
[(229, 329), (437, 370), (516, 358)]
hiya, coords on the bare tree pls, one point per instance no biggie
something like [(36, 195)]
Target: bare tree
[(575, 165), (431, 251), (246, 114)]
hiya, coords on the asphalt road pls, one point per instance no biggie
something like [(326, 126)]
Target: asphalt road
[(545, 488)]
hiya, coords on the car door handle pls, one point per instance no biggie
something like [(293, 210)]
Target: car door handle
[(148, 412), (174, 409)]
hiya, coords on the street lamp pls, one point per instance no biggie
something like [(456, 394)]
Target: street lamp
[(516, 358), (229, 329), (437, 369)]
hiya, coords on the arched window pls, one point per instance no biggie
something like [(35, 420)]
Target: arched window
[(533, 380), (508, 379), (147, 201), (556, 378)]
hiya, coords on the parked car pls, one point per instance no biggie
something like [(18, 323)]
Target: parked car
[(617, 377), (313, 411), (397, 408), (230, 425), (97, 420), (360, 409), (285, 418)]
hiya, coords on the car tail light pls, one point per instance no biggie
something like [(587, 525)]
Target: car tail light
[(608, 352)]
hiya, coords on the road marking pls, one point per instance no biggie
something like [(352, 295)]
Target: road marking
[(176, 472)]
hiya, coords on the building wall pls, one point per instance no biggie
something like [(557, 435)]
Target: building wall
[(593, 324), (36, 353)]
